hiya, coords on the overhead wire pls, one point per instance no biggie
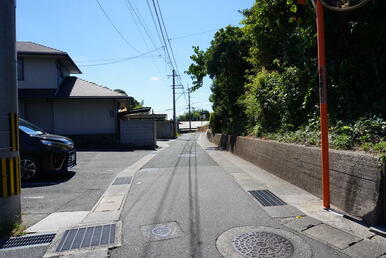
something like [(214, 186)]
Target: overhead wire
[(156, 28), (139, 22), (115, 27), (193, 34), (123, 59), (163, 35), (161, 23)]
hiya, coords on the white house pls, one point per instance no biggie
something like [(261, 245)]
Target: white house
[(60, 103)]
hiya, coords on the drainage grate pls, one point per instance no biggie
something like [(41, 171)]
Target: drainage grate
[(30, 240), (125, 180), (87, 237), (267, 198), (211, 148)]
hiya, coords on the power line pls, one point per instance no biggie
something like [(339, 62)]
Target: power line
[(162, 34), (161, 21), (136, 16), (115, 27), (193, 34), (167, 35), (156, 27), (123, 59)]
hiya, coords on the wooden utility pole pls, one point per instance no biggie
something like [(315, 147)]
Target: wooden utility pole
[(9, 133), (174, 104)]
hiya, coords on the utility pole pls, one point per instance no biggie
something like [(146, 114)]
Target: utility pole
[(174, 104), (10, 185), (190, 114), (323, 103)]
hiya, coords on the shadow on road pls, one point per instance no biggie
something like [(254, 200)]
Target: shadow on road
[(48, 179)]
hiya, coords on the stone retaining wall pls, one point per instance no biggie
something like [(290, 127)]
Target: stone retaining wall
[(356, 181)]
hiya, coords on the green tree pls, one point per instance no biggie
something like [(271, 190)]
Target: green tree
[(131, 102), (224, 62), (264, 74)]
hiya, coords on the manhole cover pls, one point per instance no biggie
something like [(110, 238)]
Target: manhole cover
[(259, 241), (262, 244), (162, 231)]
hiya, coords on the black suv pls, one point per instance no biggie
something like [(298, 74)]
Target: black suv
[(43, 152)]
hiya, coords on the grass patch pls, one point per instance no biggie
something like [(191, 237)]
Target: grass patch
[(13, 230)]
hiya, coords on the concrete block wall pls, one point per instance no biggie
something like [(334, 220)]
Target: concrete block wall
[(164, 129), (356, 181), (138, 133)]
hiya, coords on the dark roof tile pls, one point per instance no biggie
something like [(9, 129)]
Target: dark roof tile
[(31, 47), (74, 87)]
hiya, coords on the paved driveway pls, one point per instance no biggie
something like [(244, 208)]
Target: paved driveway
[(77, 190)]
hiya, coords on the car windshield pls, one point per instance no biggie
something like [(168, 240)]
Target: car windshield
[(29, 128)]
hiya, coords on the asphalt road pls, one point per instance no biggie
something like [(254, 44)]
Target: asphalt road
[(77, 190), (185, 191)]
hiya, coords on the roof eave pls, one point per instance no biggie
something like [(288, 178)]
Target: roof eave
[(73, 68)]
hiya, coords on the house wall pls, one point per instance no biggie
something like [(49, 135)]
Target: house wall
[(40, 112), (85, 116), (39, 73)]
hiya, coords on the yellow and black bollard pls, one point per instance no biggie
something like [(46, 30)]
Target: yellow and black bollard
[(10, 184)]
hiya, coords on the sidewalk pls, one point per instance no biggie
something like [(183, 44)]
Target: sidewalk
[(331, 228)]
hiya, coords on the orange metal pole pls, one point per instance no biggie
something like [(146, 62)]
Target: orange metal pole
[(323, 104)]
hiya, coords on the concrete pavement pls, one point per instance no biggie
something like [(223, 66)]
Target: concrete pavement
[(183, 202), (190, 200)]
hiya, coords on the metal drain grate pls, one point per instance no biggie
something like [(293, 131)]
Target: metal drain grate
[(124, 180), (267, 198), (87, 237), (34, 240)]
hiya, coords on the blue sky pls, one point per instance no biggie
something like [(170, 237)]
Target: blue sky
[(80, 28)]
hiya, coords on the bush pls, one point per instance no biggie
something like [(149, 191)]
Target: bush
[(275, 101)]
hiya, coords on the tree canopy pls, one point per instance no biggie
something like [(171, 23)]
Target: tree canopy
[(264, 73)]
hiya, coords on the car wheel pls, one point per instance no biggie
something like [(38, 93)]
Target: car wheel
[(28, 169)]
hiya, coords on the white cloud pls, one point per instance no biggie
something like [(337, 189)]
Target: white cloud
[(154, 78)]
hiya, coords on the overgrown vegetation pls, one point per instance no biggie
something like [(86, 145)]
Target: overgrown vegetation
[(264, 75)]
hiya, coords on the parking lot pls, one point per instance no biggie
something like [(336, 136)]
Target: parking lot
[(76, 190)]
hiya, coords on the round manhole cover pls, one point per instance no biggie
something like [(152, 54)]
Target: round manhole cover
[(161, 231), (262, 244), (260, 241)]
